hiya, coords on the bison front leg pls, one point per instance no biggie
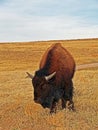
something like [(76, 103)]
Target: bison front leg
[(53, 107), (71, 105), (63, 103)]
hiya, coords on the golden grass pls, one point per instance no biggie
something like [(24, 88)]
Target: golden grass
[(17, 108)]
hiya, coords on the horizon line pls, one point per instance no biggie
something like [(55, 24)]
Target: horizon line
[(73, 39)]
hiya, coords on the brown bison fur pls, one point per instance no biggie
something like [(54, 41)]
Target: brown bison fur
[(47, 91)]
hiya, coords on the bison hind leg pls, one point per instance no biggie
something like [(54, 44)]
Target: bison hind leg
[(71, 103), (69, 95)]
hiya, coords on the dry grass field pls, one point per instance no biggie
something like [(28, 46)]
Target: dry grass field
[(17, 108)]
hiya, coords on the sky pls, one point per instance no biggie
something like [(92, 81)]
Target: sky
[(36, 20)]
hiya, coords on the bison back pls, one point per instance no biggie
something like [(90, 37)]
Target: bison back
[(58, 59)]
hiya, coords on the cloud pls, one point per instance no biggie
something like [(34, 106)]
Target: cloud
[(46, 20)]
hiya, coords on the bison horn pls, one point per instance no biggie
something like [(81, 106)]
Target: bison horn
[(29, 75), (50, 76)]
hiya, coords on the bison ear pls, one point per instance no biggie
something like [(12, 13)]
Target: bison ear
[(29, 75), (50, 76)]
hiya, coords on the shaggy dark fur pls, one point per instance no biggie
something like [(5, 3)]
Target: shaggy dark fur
[(47, 93)]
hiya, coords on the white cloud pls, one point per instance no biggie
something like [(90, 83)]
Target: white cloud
[(24, 21)]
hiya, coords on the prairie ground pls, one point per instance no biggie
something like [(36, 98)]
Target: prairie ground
[(17, 108)]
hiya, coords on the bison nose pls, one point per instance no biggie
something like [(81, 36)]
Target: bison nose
[(37, 100)]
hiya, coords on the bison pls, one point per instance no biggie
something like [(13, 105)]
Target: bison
[(53, 80)]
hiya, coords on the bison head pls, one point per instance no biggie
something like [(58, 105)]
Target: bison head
[(45, 91)]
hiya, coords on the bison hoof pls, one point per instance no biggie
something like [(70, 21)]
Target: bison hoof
[(52, 111), (71, 108)]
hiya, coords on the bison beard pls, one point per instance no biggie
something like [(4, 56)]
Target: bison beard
[(53, 80)]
